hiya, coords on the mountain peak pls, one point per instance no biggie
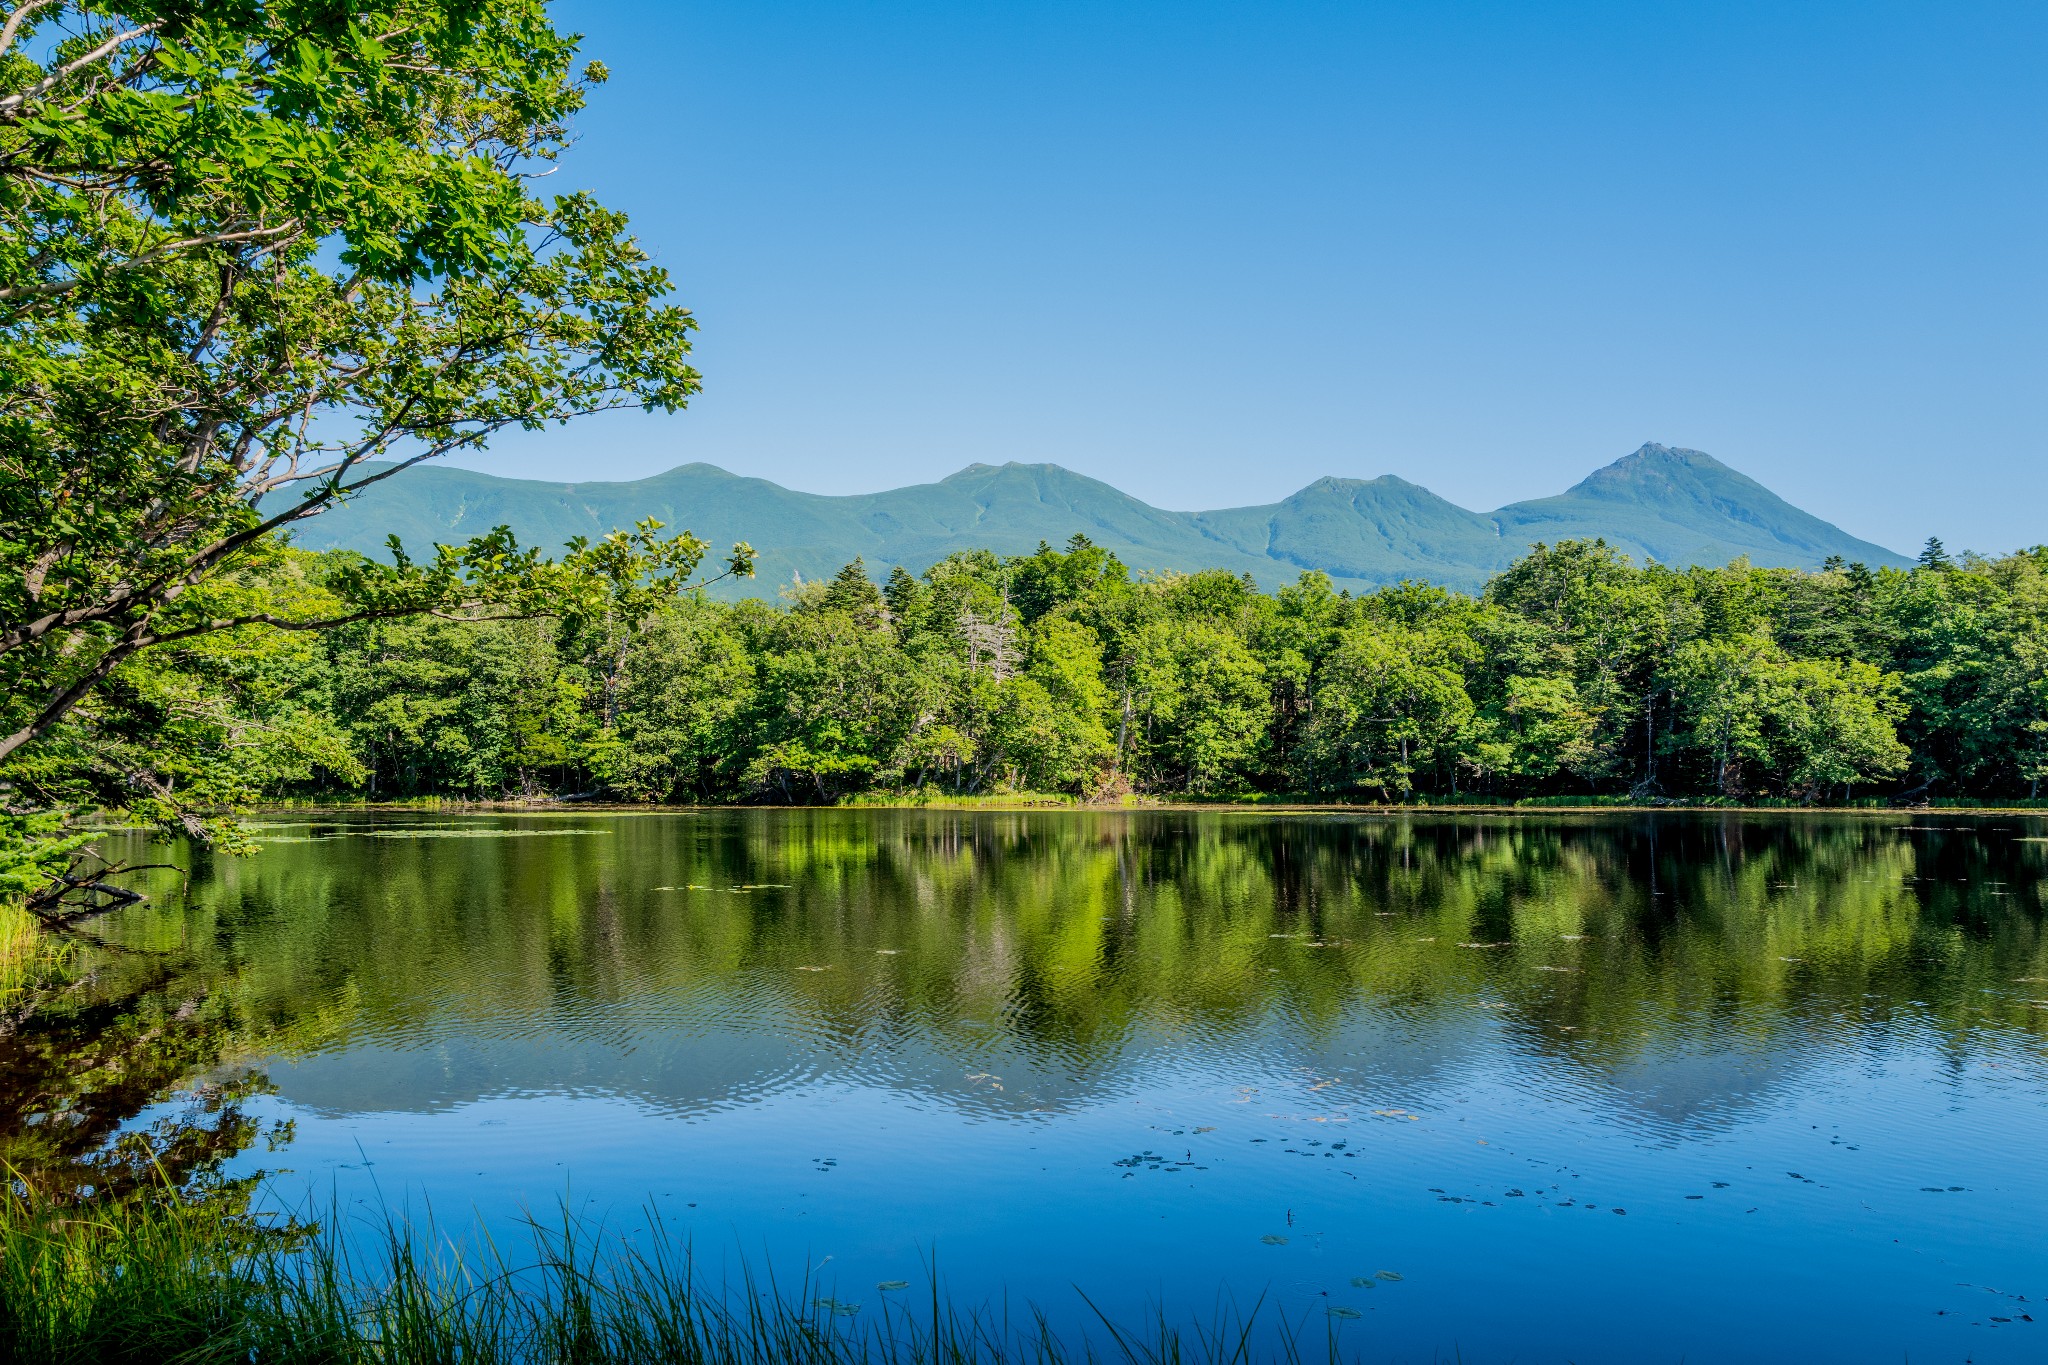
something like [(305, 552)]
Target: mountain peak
[(981, 470), (1657, 453), (1653, 470)]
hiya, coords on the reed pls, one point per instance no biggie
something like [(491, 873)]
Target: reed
[(32, 959), (167, 1281)]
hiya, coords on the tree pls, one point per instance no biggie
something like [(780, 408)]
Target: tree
[(1043, 582), (1722, 688), (1757, 716), (207, 722), (249, 252), (255, 258), (688, 681), (610, 587), (1069, 744), (1201, 702), (1390, 702), (1837, 725), (1611, 625), (901, 593), (1544, 728), (1292, 638), (834, 702), (853, 592)]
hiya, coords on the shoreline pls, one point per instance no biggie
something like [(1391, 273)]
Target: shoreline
[(1024, 803)]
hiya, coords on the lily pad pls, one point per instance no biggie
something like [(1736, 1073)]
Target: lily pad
[(1274, 1239), (1364, 1282), (1339, 1311), (887, 1285), (1385, 1275)]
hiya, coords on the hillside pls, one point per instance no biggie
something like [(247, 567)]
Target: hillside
[(1675, 506)]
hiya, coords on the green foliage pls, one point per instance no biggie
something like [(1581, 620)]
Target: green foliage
[(141, 1284), (254, 260), (1392, 704), (1577, 675)]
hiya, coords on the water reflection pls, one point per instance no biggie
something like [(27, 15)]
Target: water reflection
[(1126, 1049), (696, 961)]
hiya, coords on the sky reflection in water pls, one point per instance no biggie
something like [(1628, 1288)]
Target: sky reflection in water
[(1592, 1088)]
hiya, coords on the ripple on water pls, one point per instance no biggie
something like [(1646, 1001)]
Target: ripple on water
[(1799, 1054)]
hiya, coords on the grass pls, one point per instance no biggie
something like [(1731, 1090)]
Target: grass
[(32, 959), (167, 1281), (918, 798), (938, 798)]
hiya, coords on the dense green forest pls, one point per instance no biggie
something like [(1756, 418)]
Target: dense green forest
[(1575, 673)]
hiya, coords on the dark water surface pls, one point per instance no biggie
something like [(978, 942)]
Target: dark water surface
[(1592, 1089)]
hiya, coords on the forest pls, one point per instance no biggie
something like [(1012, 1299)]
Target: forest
[(1575, 674)]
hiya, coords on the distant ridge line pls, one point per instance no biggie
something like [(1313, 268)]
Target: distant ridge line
[(1670, 504)]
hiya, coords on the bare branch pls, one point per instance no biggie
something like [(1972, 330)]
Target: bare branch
[(46, 288), (10, 103), (14, 21)]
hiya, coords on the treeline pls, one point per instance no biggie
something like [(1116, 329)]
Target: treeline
[(1574, 673)]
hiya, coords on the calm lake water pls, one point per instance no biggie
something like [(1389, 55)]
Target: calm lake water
[(1622, 1089)]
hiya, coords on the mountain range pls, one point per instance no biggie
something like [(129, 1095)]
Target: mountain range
[(1676, 506)]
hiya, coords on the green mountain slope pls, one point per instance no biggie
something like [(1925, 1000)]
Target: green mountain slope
[(1676, 506), (1372, 531), (1685, 507)]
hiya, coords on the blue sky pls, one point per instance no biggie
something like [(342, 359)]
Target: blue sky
[(1210, 252)]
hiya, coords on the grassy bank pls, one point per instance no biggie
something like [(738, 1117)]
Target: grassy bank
[(197, 1284), (932, 799)]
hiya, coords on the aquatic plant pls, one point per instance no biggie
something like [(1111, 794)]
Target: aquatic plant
[(198, 1282)]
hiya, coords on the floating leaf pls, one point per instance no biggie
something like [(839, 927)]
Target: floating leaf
[(1385, 1275), (1339, 1311), (1274, 1239), (888, 1285), (1364, 1282)]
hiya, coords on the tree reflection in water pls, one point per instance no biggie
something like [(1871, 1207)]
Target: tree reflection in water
[(1086, 941)]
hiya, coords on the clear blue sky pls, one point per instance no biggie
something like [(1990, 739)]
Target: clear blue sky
[(1210, 252)]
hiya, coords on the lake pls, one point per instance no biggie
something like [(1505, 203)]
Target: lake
[(1542, 1088)]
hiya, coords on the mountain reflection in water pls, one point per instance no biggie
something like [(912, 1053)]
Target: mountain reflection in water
[(1378, 1027)]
